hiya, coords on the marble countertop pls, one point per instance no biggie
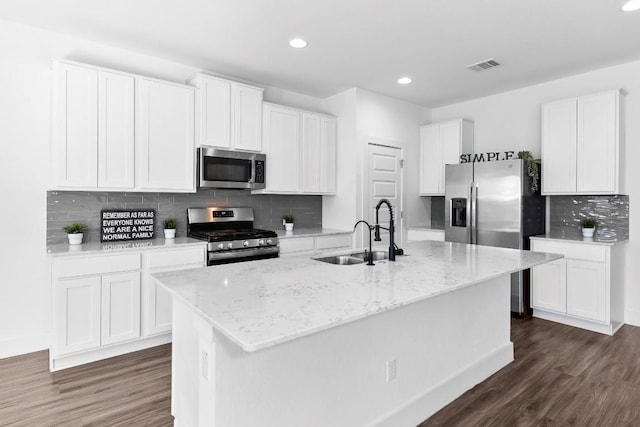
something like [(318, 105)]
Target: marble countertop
[(310, 232), (65, 249), (259, 304), (578, 239)]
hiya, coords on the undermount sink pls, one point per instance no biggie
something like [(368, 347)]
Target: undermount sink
[(377, 255), (341, 260)]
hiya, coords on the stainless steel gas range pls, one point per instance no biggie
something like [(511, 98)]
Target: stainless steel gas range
[(231, 235)]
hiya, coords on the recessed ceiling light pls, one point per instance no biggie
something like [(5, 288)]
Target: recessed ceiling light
[(298, 43), (404, 80), (631, 5)]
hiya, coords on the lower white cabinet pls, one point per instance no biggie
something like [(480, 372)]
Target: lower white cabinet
[(310, 244), (109, 304), (420, 234), (584, 289)]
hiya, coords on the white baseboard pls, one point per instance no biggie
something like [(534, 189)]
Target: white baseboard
[(22, 345), (632, 317), (432, 400)]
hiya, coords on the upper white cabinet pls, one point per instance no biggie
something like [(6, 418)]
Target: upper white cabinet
[(301, 151), (117, 131), (584, 289), (166, 150), (229, 114), (582, 145), (441, 144)]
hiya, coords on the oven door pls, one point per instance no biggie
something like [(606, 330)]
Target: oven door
[(226, 169)]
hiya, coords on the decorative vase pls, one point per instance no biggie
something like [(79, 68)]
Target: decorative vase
[(288, 226), (587, 232), (169, 233), (75, 238)]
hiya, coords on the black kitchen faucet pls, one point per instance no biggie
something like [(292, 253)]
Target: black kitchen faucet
[(393, 248)]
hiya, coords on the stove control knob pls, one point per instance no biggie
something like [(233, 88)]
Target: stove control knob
[(220, 245), (230, 245), (245, 243), (269, 242), (260, 242)]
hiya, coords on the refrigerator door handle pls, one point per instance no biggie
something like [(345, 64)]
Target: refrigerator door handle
[(474, 214)]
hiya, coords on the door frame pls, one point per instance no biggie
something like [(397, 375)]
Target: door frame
[(400, 227)]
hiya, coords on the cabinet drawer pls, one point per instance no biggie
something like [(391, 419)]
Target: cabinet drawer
[(296, 245), (421, 235), (583, 251), (328, 242), (83, 266), (173, 258)]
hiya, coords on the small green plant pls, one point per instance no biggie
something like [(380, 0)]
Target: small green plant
[(288, 218), (75, 228), (588, 223), (170, 223), (532, 168)]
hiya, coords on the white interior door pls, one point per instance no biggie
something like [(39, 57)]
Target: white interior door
[(385, 182)]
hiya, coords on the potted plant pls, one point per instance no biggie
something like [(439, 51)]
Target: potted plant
[(170, 228), (588, 227), (287, 221), (75, 232)]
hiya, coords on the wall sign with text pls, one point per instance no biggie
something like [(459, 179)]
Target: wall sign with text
[(487, 157), (122, 224)]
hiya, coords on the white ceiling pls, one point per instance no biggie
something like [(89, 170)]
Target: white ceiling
[(363, 43)]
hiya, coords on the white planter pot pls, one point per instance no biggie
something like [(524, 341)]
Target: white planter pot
[(169, 233), (587, 232), (75, 238), (288, 226)]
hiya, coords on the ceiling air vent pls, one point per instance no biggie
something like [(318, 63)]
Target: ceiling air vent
[(483, 65)]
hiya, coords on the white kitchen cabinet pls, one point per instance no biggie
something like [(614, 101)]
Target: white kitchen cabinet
[(120, 307), (165, 136), (301, 151), (76, 315), (582, 145), (93, 142), (117, 131), (157, 301), (116, 146), (421, 234), (310, 244), (584, 289), (228, 114), (441, 144)]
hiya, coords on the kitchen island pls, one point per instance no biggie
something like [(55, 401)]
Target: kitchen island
[(296, 341)]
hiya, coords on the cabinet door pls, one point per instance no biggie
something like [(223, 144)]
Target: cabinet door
[(282, 142), (597, 143), (120, 307), (548, 283), (450, 142), (165, 125), (115, 130), (310, 153), (214, 115), (247, 113), (587, 289), (76, 314), (430, 161), (75, 146), (328, 150), (559, 147)]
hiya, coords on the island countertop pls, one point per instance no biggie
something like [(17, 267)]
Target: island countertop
[(259, 304)]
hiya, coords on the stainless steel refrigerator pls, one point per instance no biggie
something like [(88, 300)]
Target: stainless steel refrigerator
[(491, 203)]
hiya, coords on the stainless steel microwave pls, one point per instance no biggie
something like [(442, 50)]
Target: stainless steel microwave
[(230, 169)]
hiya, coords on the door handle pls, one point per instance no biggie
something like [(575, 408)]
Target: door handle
[(474, 213)]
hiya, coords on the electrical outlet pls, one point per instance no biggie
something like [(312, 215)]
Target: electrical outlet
[(391, 370)]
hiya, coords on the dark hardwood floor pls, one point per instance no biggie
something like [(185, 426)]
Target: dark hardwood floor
[(129, 390), (562, 376)]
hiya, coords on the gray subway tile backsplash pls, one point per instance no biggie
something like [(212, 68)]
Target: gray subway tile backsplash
[(610, 212), (65, 207)]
